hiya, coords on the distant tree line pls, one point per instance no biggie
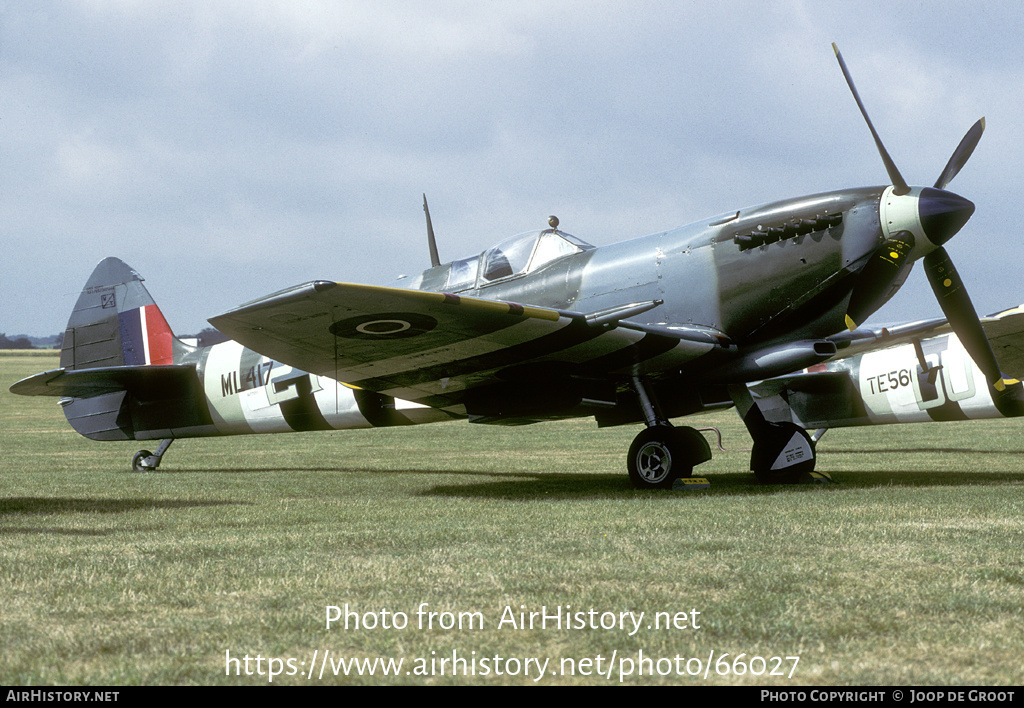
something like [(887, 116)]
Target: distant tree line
[(19, 343)]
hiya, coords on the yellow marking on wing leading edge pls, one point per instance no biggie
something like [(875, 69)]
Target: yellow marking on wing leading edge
[(497, 306)]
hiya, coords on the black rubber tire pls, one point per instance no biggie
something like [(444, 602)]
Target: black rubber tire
[(768, 447), (662, 454), (137, 461)]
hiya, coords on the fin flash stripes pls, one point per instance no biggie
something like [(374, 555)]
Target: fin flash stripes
[(146, 338)]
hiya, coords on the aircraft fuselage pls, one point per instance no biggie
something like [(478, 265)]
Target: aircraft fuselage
[(756, 275)]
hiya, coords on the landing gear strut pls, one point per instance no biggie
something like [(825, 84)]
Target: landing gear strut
[(783, 453), (661, 454), (146, 461)]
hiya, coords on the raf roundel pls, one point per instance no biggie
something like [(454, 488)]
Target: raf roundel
[(384, 325)]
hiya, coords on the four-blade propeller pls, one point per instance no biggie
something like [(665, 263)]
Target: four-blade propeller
[(940, 215)]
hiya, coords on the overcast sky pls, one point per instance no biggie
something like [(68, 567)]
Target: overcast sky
[(229, 149)]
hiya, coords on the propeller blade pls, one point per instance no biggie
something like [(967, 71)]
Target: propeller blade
[(435, 260), (874, 284), (962, 153), (898, 183), (963, 318)]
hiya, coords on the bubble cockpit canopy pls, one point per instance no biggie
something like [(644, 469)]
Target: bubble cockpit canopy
[(521, 254)]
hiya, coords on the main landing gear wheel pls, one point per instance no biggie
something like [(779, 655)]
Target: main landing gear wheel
[(783, 454), (662, 454)]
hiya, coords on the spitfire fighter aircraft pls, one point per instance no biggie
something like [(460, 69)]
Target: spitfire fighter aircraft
[(758, 308)]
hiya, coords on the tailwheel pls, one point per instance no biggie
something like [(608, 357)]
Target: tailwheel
[(783, 453), (140, 460), (662, 454), (146, 461)]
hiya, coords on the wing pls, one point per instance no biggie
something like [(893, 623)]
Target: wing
[(438, 349), (1004, 330), (878, 378)]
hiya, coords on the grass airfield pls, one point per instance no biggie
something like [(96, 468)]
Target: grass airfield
[(908, 570)]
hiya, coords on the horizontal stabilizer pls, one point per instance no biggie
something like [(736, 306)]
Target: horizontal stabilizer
[(87, 383)]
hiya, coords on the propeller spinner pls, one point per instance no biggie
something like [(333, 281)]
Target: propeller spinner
[(917, 222)]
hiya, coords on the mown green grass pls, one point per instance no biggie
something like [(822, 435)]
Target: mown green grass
[(908, 569)]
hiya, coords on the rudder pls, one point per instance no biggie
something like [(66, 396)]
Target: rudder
[(115, 322)]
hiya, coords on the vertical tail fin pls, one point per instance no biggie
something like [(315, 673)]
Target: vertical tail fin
[(116, 323)]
